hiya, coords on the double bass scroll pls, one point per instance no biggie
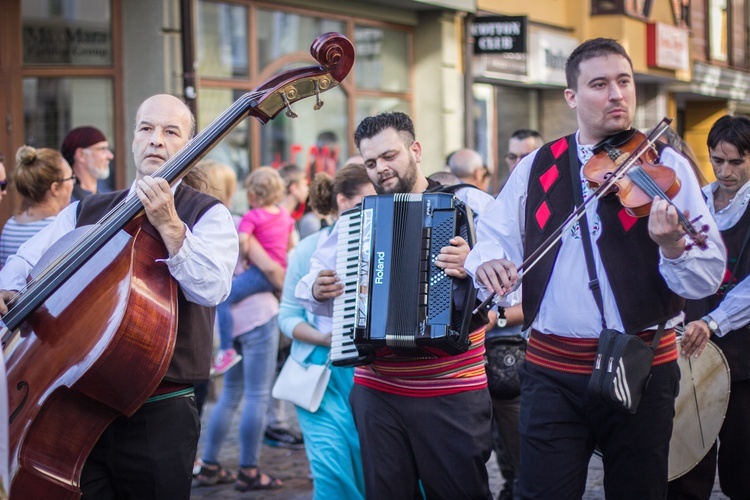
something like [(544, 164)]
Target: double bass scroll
[(92, 334)]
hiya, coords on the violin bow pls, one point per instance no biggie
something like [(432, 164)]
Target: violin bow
[(537, 255)]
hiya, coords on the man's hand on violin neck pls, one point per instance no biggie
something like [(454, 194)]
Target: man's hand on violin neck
[(664, 228)]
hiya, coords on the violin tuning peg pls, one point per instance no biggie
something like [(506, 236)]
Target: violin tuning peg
[(705, 228), (688, 247)]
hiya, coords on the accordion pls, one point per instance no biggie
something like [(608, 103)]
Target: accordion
[(396, 300)]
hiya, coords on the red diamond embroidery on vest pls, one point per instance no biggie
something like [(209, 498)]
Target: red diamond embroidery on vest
[(548, 178), (542, 215), (627, 220), (559, 147)]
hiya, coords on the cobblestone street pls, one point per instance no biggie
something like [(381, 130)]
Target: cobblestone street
[(291, 467)]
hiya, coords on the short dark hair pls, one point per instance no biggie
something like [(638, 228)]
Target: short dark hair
[(373, 125), (734, 130), (525, 133), (596, 47)]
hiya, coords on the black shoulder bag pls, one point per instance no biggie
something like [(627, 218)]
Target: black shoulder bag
[(622, 367)]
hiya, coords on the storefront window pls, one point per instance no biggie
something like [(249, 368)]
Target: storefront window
[(222, 40), (281, 33), (370, 106), (381, 59), (234, 149), (315, 140), (718, 23), (67, 32), (54, 106)]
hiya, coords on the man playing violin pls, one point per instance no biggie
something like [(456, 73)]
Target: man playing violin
[(725, 316), (150, 454), (644, 266)]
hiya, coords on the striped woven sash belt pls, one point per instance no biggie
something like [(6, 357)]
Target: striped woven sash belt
[(574, 355)]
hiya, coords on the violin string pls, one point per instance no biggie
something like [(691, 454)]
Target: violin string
[(649, 186)]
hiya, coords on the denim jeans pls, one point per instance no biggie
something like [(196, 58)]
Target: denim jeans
[(243, 285), (250, 379)]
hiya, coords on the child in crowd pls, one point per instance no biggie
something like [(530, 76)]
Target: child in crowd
[(269, 226)]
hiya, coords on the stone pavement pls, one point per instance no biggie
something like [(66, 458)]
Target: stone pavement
[(292, 468)]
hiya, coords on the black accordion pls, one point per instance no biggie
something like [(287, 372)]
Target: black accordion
[(396, 300)]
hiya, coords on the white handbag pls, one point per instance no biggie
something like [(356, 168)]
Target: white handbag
[(302, 385)]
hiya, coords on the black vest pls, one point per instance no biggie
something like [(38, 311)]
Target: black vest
[(629, 255), (734, 344), (192, 354)]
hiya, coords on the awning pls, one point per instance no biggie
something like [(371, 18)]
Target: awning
[(459, 5)]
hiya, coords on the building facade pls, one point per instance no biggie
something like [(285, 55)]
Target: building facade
[(469, 72)]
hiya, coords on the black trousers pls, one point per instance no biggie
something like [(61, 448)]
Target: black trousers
[(443, 441), (733, 455), (560, 427), (147, 456)]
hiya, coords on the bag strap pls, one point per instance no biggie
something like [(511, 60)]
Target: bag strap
[(575, 177)]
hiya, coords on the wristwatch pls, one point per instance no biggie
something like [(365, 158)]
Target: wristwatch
[(713, 326), (501, 319)]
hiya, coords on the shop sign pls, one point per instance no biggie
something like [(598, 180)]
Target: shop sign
[(548, 53), (499, 34), (50, 42), (668, 47)]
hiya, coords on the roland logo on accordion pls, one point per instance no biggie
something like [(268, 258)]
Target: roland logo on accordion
[(396, 300)]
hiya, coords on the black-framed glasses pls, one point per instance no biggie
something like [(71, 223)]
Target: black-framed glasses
[(3, 185), (71, 178)]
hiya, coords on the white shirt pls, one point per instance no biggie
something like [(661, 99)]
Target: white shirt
[(203, 266), (733, 312), (325, 254), (568, 307)]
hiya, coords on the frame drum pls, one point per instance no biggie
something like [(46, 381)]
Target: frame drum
[(699, 408)]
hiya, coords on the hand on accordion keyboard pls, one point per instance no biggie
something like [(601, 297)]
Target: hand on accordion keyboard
[(327, 286), (452, 258)]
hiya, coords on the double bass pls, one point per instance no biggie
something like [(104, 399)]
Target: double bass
[(92, 334)]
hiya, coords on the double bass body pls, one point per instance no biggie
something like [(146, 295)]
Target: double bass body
[(96, 349)]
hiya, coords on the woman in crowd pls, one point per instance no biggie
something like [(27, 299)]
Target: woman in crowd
[(45, 182), (331, 439), (256, 339)]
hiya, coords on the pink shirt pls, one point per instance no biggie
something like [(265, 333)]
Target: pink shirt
[(271, 230)]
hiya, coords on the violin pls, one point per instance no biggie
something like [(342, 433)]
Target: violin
[(626, 164), (641, 181)]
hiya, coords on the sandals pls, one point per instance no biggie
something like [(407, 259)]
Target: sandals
[(209, 476), (248, 483)]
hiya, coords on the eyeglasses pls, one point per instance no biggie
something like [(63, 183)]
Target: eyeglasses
[(3, 185), (101, 149), (487, 172), (71, 178)]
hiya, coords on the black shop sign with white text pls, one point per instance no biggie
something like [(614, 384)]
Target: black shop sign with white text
[(499, 34)]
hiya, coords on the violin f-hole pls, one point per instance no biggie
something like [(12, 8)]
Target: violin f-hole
[(21, 385)]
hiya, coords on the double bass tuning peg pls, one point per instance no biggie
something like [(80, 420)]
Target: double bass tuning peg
[(289, 111), (318, 102)]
